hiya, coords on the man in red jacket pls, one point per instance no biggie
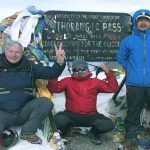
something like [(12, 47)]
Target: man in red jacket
[(81, 95)]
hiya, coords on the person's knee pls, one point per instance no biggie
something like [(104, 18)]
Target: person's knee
[(61, 120), (46, 104), (111, 126), (103, 127)]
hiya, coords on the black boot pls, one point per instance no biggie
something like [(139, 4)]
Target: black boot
[(66, 136), (95, 137)]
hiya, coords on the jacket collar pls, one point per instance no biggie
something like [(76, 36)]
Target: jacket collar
[(88, 75)]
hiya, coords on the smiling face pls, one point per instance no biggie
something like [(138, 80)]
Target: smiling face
[(143, 24), (80, 68), (13, 54)]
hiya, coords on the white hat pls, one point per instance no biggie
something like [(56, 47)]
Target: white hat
[(143, 15)]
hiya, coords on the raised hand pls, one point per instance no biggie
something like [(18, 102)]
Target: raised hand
[(60, 54), (105, 68)]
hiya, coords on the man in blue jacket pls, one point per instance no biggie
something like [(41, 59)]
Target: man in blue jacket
[(134, 57), (18, 102)]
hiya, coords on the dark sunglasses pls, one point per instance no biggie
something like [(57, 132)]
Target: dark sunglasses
[(80, 69)]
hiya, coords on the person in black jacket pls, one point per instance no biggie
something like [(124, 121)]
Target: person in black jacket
[(18, 102)]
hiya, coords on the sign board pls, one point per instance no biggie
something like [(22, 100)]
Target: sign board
[(92, 36)]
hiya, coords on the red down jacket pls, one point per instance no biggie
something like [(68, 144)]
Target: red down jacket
[(81, 92)]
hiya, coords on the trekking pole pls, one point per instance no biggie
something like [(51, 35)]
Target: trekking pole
[(98, 69), (53, 124), (119, 89)]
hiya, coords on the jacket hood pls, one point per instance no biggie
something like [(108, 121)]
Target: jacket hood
[(136, 14)]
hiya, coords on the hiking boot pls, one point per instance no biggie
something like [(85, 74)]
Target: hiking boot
[(95, 136), (96, 139), (66, 137), (66, 140), (34, 139), (130, 144), (144, 135), (78, 131)]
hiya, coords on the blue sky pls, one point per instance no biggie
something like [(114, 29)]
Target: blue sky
[(9, 7)]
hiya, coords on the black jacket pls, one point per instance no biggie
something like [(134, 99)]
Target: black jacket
[(17, 79)]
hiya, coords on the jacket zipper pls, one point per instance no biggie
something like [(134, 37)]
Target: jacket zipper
[(144, 59)]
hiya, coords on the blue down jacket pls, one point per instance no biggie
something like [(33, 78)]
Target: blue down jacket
[(17, 81), (134, 55)]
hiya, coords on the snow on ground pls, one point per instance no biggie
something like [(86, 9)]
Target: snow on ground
[(59, 101), (24, 145)]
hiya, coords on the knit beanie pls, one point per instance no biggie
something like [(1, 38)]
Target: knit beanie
[(79, 63)]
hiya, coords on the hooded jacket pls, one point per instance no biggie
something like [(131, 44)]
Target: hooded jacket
[(134, 55), (81, 92), (17, 81)]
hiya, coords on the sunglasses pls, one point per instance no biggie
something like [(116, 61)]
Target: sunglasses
[(80, 69)]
